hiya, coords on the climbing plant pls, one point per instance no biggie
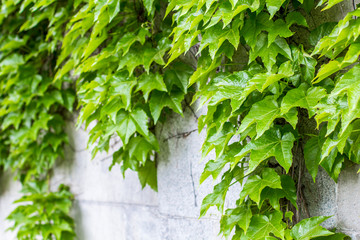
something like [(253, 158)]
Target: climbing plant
[(280, 96), (33, 109)]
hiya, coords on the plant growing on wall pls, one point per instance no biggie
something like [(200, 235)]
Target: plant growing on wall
[(293, 103), (33, 109)]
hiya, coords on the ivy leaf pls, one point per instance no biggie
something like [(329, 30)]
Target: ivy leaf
[(217, 197), (333, 164), (271, 144), (122, 85), (215, 167), (149, 82), (129, 122), (335, 236), (308, 5), (273, 6), (216, 35), (321, 31), (304, 98), (229, 86), (314, 157), (217, 139), (287, 190), (269, 54), (278, 28), (159, 100), (130, 38), (349, 83), (149, 6), (178, 74), (309, 228), (113, 8), (140, 148), (255, 184), (254, 26), (264, 80), (240, 216), (262, 113), (262, 225), (291, 117), (148, 175), (331, 3), (296, 17)]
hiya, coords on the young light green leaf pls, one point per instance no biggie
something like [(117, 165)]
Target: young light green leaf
[(304, 98), (149, 82), (262, 225), (262, 113), (271, 144), (310, 228), (255, 184)]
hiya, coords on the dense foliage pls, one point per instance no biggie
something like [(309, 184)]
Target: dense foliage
[(275, 100)]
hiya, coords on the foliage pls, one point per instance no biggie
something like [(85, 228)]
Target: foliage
[(291, 102), (43, 214), (32, 112), (122, 85), (268, 107)]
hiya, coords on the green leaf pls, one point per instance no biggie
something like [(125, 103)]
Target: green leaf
[(262, 225), (240, 216), (149, 82), (274, 195), (262, 113), (308, 5), (309, 228), (312, 155), (335, 236), (296, 17), (273, 6), (140, 148), (159, 100), (349, 83), (178, 74), (217, 197), (113, 8), (278, 28), (122, 85), (269, 54), (213, 168), (271, 144), (321, 31), (216, 35), (304, 98), (148, 175), (254, 26), (255, 184), (130, 38), (129, 122)]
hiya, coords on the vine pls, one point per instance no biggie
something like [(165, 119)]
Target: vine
[(32, 114), (291, 104)]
